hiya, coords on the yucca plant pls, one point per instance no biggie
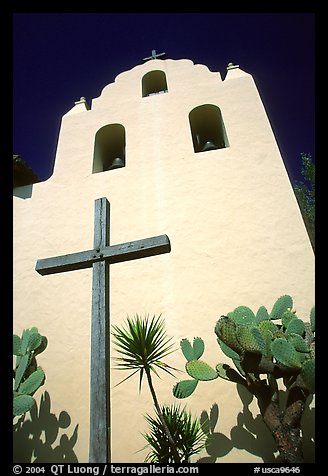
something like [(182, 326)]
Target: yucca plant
[(143, 343), (185, 430)]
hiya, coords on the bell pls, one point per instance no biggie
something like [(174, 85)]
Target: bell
[(208, 146), (117, 163)]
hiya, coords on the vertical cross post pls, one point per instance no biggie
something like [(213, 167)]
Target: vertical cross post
[(99, 451)]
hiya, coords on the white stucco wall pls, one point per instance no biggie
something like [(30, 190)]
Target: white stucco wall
[(235, 228)]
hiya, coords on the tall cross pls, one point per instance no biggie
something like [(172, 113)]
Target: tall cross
[(154, 55), (99, 258)]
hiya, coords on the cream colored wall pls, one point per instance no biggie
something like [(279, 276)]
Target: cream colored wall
[(236, 233)]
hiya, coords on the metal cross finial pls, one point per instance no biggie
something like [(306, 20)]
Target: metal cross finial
[(154, 55)]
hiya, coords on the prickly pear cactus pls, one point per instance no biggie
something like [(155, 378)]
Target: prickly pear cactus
[(276, 345), (283, 343), (27, 376)]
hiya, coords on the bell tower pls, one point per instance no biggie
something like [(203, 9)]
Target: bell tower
[(176, 150)]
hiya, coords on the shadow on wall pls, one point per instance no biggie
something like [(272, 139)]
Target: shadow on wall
[(250, 434), (34, 440)]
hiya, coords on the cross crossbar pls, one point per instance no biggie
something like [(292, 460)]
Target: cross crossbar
[(154, 55), (113, 254)]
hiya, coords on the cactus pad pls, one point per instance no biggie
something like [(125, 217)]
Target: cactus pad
[(243, 316), (187, 349), (200, 370), (262, 314), (279, 333), (312, 319), (260, 340), (267, 337), (32, 383), (194, 351), (295, 326), (22, 404), (227, 350), (42, 346), (298, 343), (267, 326), (198, 347), (23, 364), (35, 339), (17, 343), (308, 335), (228, 373), (308, 374), (26, 335), (247, 340), (287, 317), (284, 352), (225, 330), (184, 388), (282, 304)]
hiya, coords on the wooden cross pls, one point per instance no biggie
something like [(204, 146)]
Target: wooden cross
[(99, 258), (154, 55)]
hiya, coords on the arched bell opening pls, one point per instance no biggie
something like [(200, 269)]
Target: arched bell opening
[(207, 128), (109, 150), (154, 82)]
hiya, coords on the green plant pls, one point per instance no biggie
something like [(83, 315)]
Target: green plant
[(305, 195), (143, 344), (187, 433), (282, 351), (28, 377)]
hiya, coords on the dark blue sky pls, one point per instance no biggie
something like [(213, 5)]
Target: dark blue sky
[(59, 57)]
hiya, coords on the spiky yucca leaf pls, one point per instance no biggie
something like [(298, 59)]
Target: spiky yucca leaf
[(185, 430), (143, 343)]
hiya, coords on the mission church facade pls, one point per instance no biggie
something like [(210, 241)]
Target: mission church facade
[(177, 151)]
